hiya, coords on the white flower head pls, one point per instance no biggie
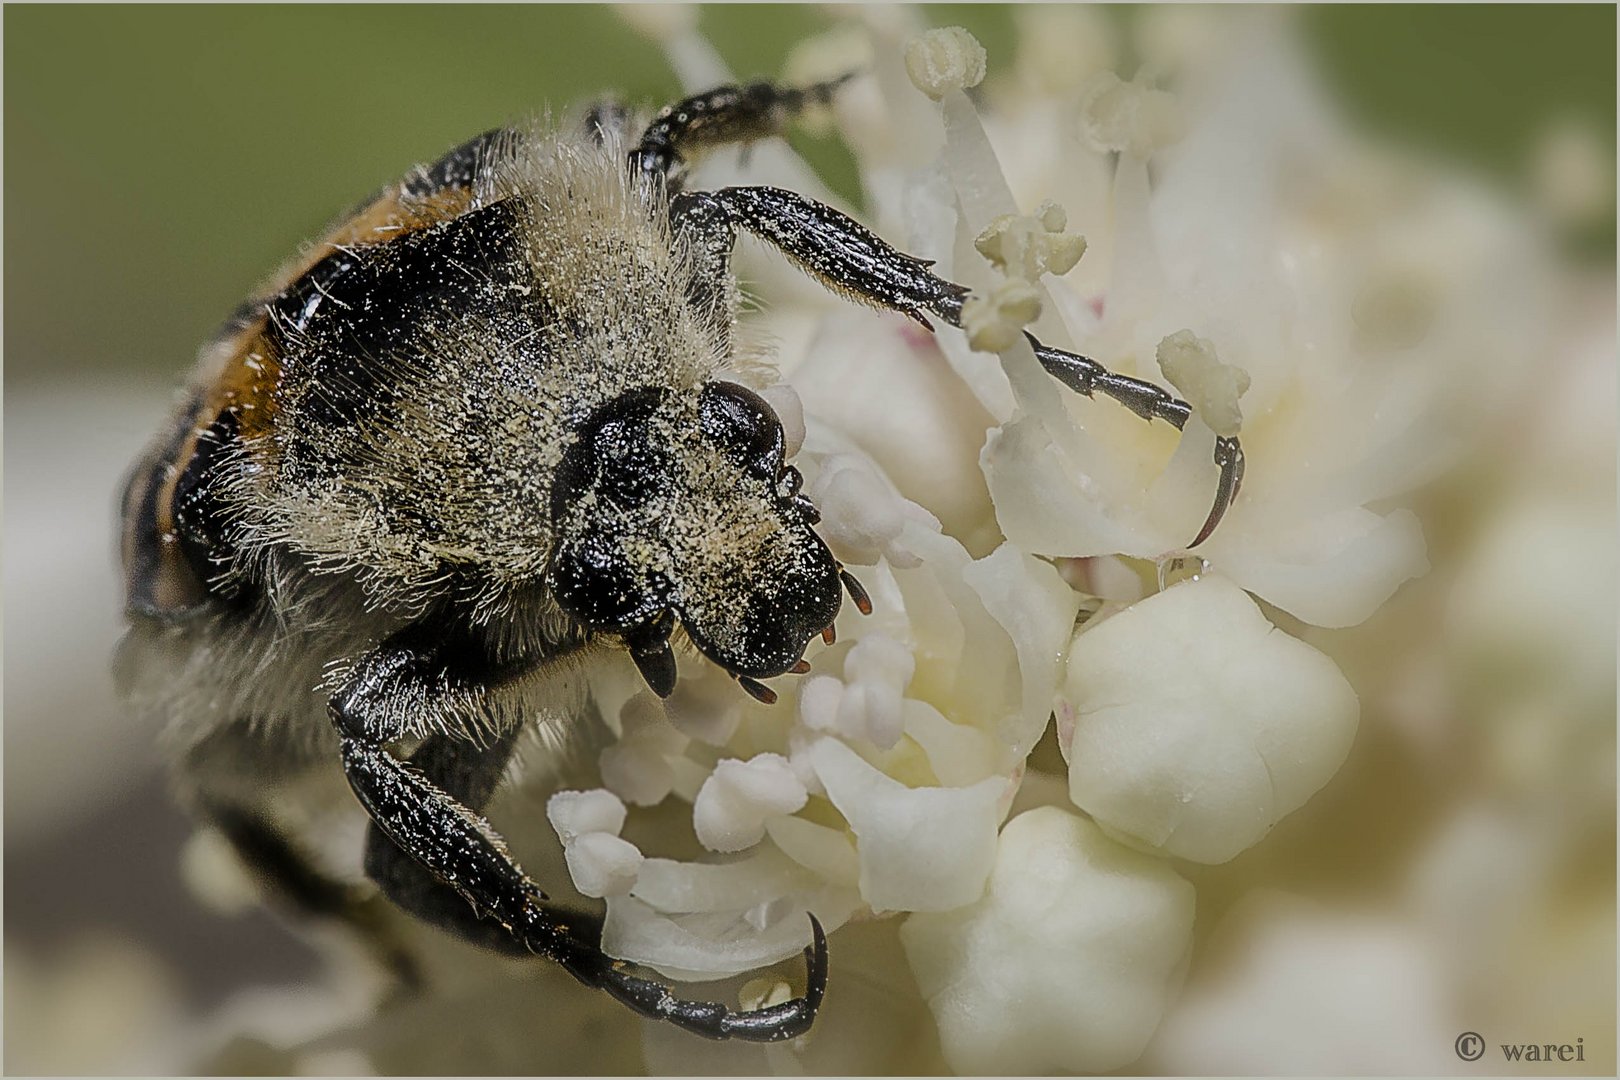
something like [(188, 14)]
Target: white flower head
[(870, 704), (574, 813), (602, 864), (999, 900), (1131, 117), (994, 323), (864, 514), (1220, 242), (1213, 388), (739, 797), (637, 768), (1025, 247)]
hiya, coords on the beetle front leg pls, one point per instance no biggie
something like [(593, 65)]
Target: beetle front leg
[(432, 828), (850, 259), (468, 774)]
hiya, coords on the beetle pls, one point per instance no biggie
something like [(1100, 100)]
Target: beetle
[(478, 432)]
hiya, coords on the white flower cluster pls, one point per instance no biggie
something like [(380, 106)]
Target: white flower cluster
[(1210, 188)]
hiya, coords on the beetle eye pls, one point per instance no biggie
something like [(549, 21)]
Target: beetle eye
[(744, 427)]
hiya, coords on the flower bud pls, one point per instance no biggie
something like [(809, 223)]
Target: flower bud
[(1198, 724), (1067, 963)]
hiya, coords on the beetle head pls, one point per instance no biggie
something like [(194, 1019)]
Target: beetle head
[(669, 508)]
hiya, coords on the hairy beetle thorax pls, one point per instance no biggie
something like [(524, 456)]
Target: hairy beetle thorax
[(430, 386)]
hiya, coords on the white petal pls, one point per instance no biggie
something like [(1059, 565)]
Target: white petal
[(705, 708), (921, 849), (828, 853), (644, 721), (1048, 503), (975, 676), (784, 401), (709, 920), (959, 754), (880, 658), (681, 887), (1036, 608), (1333, 571), (1066, 965), (929, 448), (820, 698), (636, 773), (861, 512), (1199, 725), (713, 947), (878, 669)]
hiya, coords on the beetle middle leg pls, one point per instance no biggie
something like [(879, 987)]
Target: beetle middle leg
[(852, 260), (414, 806)]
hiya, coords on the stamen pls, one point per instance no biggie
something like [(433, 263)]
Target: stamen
[(829, 635), (801, 668)]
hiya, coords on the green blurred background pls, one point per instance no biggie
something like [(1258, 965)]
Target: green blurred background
[(164, 159)]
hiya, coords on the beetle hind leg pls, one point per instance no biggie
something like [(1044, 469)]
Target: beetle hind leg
[(216, 790), (469, 773)]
